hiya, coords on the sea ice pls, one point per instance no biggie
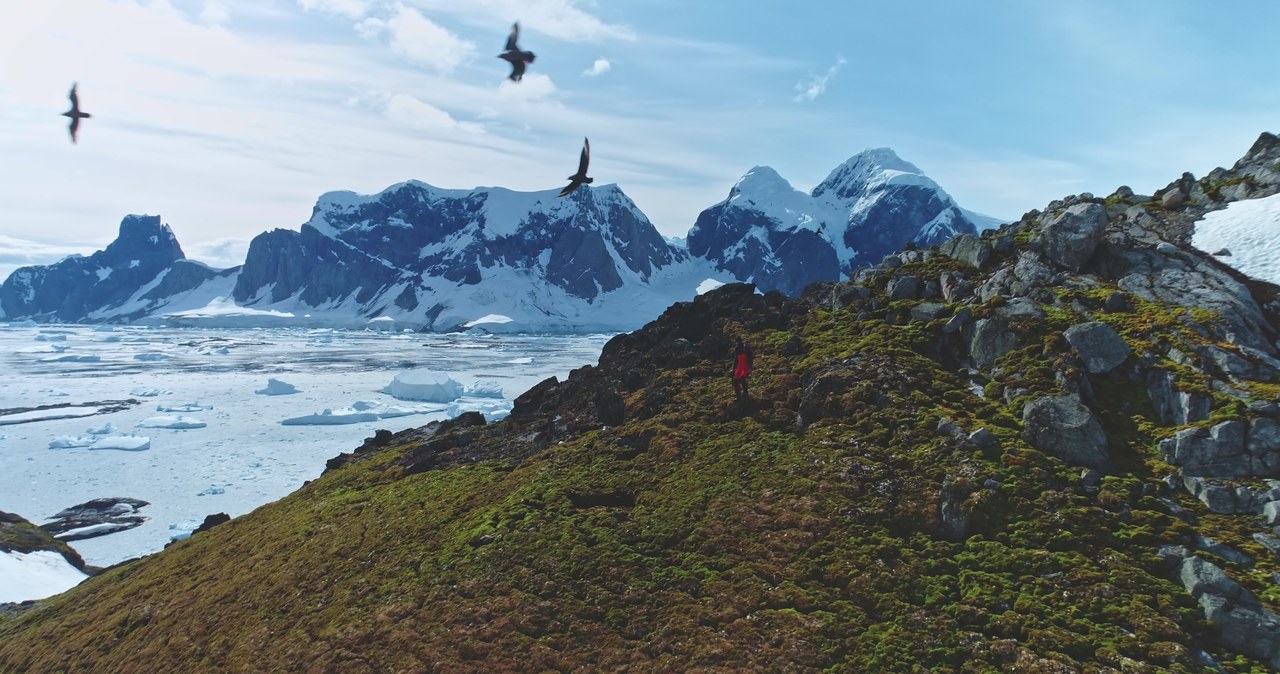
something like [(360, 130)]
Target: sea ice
[(213, 490), (492, 410), (330, 417), (51, 338), (179, 422), (43, 348), (151, 356), (105, 429), (144, 392), (385, 411), (185, 407), (484, 388), (70, 441), (275, 387), (128, 443), (424, 386), (71, 358)]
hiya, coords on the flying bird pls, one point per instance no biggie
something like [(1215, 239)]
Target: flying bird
[(74, 113), (580, 177), (514, 56)]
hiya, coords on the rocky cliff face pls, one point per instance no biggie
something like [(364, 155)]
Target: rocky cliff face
[(1051, 447), (75, 287), (769, 233)]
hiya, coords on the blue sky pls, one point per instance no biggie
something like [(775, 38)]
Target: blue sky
[(229, 117)]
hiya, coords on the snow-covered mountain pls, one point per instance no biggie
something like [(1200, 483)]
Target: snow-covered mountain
[(412, 256), (140, 272), (778, 237)]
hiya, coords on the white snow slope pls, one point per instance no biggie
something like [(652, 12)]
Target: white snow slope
[(1250, 231)]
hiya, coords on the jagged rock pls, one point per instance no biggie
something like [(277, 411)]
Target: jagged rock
[(1218, 451), (992, 338), (955, 287), (1258, 367), (1172, 407), (958, 321), (1271, 512), (903, 288), (1227, 449), (1272, 544), (1070, 239), (1020, 309), (211, 521), (792, 347), (1064, 427), (98, 517), (1117, 303), (1191, 281), (985, 439), (968, 249), (928, 311), (1265, 408), (1244, 625), (1263, 445), (1098, 345), (815, 397)]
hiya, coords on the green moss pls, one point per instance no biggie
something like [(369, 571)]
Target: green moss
[(730, 539)]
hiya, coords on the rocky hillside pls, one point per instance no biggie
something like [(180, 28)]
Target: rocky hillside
[(1049, 448)]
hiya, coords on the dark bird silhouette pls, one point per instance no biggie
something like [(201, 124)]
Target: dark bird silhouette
[(514, 56), (580, 177), (74, 113)]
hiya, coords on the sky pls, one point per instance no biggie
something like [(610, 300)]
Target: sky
[(230, 117)]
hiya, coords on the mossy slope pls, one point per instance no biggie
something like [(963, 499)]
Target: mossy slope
[(699, 533)]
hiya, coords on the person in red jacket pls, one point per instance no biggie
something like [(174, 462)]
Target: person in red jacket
[(742, 363)]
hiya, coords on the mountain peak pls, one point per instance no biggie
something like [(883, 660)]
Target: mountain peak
[(870, 170)]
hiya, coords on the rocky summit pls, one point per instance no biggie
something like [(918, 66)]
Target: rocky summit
[(1051, 447)]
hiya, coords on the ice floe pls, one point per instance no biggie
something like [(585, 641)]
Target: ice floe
[(484, 388), (128, 443), (174, 422), (424, 386), (275, 387), (185, 407), (72, 358)]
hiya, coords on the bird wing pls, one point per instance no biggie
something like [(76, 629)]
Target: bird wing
[(585, 158), (75, 99), (75, 125), (517, 69), (573, 185), (515, 35)]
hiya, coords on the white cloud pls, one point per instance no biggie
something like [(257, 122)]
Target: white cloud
[(16, 252), (419, 39), (534, 87), (817, 84), (600, 67), (349, 8), (215, 12), (220, 253), (561, 19), (413, 112)]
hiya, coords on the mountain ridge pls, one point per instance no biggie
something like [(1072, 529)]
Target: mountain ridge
[(779, 237)]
